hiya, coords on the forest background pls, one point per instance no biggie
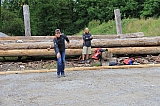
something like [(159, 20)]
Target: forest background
[(72, 16)]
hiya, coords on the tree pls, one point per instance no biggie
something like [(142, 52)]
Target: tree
[(11, 24), (52, 14), (71, 16), (151, 8)]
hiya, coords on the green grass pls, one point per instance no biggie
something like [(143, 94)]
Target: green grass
[(150, 27)]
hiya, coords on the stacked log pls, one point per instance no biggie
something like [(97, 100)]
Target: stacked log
[(40, 38), (96, 43), (76, 52), (117, 44)]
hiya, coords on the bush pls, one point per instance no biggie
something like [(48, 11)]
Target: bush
[(150, 27), (11, 24)]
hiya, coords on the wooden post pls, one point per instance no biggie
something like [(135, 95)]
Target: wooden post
[(26, 20), (118, 21)]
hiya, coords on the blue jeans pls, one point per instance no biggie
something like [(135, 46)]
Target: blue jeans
[(61, 63)]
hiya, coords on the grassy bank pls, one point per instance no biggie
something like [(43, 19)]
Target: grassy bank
[(150, 27)]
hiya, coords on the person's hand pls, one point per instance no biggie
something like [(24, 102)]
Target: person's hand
[(48, 49), (58, 55), (83, 41), (91, 37)]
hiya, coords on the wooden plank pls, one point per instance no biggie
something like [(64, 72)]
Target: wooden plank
[(118, 21), (26, 14)]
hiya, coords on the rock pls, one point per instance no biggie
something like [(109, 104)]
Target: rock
[(14, 67), (114, 59), (22, 66), (139, 60), (19, 41), (157, 59), (135, 63), (105, 63), (106, 55), (3, 35), (145, 61)]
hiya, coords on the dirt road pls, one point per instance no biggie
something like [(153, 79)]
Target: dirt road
[(117, 87)]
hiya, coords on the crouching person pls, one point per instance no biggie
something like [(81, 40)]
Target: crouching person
[(59, 47), (87, 37)]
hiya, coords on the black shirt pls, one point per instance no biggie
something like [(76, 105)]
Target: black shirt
[(59, 43), (87, 39)]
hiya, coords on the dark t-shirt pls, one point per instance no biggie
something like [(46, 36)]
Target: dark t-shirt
[(87, 39), (59, 43)]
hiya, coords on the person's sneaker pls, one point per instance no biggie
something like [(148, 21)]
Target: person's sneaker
[(63, 75), (83, 61), (88, 61), (58, 76)]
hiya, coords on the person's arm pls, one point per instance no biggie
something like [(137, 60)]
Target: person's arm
[(91, 37), (55, 46), (66, 38), (84, 37), (87, 39)]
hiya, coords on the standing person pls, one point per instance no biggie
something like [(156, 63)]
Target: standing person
[(87, 37), (59, 47)]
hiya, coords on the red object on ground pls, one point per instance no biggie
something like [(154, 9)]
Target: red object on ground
[(127, 61), (97, 54)]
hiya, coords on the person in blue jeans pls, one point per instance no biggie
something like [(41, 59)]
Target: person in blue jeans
[(59, 47)]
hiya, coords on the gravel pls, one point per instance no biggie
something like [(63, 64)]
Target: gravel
[(112, 87)]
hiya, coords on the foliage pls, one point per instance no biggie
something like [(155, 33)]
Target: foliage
[(50, 15), (11, 24), (71, 16), (150, 27), (151, 8)]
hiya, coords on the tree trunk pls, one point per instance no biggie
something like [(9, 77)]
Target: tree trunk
[(96, 43), (46, 38), (38, 52), (50, 38), (130, 42), (135, 50), (36, 45), (76, 52)]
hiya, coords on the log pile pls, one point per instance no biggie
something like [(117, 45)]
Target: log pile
[(134, 43)]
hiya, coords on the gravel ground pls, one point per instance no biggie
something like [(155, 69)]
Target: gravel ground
[(116, 87)]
